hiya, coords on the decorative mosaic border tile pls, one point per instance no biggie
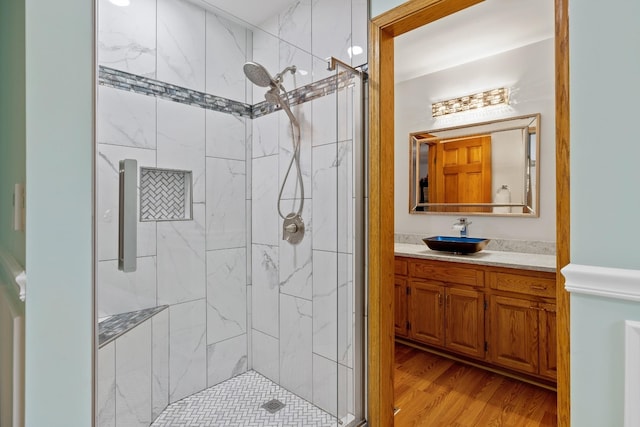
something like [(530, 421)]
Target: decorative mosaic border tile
[(151, 87), (118, 324), (324, 87)]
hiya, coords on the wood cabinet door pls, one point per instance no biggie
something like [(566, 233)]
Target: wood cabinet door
[(400, 307), (548, 346), (426, 315), (514, 333), (464, 321)]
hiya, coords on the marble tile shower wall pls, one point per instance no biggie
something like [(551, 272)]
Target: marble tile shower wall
[(198, 267), (238, 296), (302, 304)]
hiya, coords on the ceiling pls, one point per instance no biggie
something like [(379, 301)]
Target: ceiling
[(255, 12), (485, 29)]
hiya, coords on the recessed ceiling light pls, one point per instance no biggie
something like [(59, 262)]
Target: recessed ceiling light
[(302, 72), (121, 3)]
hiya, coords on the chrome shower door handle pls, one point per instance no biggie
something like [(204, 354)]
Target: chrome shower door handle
[(127, 215)]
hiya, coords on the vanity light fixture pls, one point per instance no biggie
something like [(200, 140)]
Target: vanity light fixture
[(488, 98)]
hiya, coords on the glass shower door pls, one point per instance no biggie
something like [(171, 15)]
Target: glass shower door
[(350, 243)]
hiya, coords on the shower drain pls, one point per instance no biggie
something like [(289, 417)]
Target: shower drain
[(273, 406)]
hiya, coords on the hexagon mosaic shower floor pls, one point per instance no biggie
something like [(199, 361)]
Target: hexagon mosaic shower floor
[(238, 403)]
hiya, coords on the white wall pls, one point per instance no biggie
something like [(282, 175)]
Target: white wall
[(529, 72), (605, 201), (59, 245)]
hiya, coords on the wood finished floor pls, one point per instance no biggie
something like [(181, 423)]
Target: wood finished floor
[(437, 392)]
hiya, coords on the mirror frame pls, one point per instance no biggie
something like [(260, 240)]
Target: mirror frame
[(475, 129)]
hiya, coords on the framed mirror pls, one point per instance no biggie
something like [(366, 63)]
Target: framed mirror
[(488, 168)]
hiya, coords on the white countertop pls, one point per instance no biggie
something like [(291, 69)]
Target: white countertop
[(493, 258)]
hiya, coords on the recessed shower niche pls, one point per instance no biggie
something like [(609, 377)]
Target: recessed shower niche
[(165, 195)]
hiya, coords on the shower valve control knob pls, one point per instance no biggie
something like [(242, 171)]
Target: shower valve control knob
[(293, 228)]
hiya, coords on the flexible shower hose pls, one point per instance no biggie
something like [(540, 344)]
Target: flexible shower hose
[(295, 158)]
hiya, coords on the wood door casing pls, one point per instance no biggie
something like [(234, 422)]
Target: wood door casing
[(464, 321), (426, 312), (514, 333)]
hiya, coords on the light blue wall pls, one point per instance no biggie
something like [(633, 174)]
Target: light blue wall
[(605, 148), (12, 120), (597, 359), (377, 7), (59, 152), (605, 199)]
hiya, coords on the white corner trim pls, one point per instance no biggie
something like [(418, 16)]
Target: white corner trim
[(631, 373), (606, 282)]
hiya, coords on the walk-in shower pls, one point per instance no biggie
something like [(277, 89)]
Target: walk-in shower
[(293, 224), (220, 320)]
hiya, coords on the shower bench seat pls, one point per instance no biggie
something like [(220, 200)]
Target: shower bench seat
[(133, 367)]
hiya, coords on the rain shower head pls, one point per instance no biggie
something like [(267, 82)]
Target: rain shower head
[(258, 74), (261, 77)]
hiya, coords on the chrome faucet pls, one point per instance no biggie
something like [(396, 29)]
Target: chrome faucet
[(463, 226)]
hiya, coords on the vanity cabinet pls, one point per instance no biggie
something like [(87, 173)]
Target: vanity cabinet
[(443, 315), (503, 317), (548, 343), (523, 321), (441, 305), (401, 291), (401, 323)]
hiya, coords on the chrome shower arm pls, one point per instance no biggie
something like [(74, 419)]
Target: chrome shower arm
[(278, 77)]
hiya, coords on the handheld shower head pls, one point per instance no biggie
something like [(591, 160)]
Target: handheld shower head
[(293, 227), (273, 96), (258, 74)]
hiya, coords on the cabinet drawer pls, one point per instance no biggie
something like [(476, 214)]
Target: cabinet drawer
[(446, 272), (401, 266), (540, 284)]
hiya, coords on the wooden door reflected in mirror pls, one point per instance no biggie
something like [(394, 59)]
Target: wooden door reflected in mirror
[(486, 168)]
